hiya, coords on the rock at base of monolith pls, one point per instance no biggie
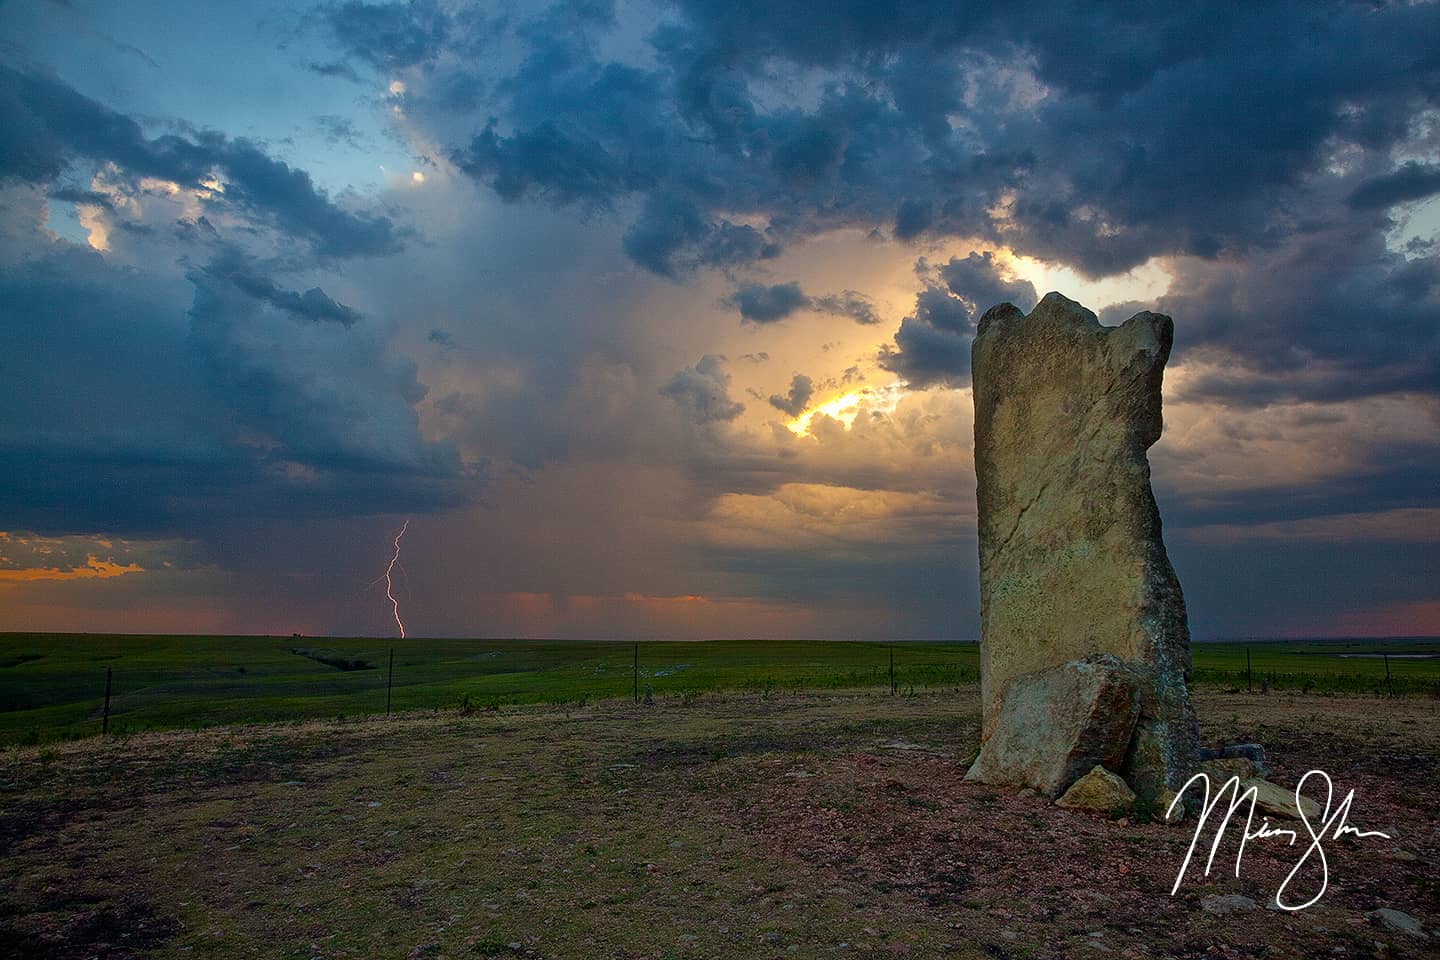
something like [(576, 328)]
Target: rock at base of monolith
[(1054, 725), (1219, 770), (1099, 791), (1071, 558), (1277, 801), (1168, 811)]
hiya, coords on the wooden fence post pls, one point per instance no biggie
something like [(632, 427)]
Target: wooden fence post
[(105, 718)]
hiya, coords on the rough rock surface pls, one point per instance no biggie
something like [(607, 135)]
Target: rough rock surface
[(1278, 801), (1100, 791), (1071, 558), (1227, 903), (1253, 752), (1055, 725), (1219, 770), (1164, 804), (1397, 921)]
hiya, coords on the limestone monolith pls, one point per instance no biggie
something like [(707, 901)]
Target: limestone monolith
[(1072, 563)]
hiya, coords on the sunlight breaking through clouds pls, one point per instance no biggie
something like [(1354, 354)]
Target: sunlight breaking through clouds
[(846, 407)]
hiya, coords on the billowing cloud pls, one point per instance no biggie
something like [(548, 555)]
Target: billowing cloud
[(1303, 322), (47, 125), (1412, 181), (802, 388), (389, 35), (672, 237), (241, 319), (140, 407), (313, 305), (805, 119), (770, 303), (932, 345), (847, 303), (703, 391), (759, 303)]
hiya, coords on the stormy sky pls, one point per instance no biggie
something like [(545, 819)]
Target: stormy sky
[(654, 319)]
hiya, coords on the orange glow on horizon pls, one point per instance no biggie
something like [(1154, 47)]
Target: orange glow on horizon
[(1418, 618)]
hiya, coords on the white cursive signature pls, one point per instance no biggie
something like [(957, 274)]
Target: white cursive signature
[(1337, 820)]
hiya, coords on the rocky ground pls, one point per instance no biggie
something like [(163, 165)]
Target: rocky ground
[(810, 826)]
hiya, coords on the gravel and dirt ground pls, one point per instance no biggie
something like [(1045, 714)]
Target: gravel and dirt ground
[(812, 825)]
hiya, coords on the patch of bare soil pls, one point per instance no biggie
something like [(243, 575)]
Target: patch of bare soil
[(77, 926), (737, 827), (1018, 877)]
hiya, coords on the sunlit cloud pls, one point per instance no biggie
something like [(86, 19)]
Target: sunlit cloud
[(30, 558), (846, 407), (533, 231), (94, 569)]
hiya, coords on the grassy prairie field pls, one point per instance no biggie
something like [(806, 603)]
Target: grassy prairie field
[(766, 824), (52, 685)]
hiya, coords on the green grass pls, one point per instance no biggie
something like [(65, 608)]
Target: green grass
[(1321, 666), (52, 685)]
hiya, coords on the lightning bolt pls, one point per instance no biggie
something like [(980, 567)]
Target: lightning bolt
[(395, 604)]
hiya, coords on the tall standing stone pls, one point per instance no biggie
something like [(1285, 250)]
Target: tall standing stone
[(1071, 559)]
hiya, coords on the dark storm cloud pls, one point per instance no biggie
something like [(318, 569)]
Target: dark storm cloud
[(139, 405), (74, 195), (1210, 134), (1400, 475), (1168, 110), (770, 303), (44, 124), (1253, 148), (672, 237), (313, 305), (271, 187), (704, 391), (389, 35), (759, 303), (926, 355), (912, 219), (847, 303), (552, 163), (980, 284), (1412, 181), (802, 388), (932, 345), (1334, 316)]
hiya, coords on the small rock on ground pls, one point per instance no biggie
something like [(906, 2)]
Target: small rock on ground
[(1397, 921), (1100, 791), (1227, 903), (1280, 801)]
